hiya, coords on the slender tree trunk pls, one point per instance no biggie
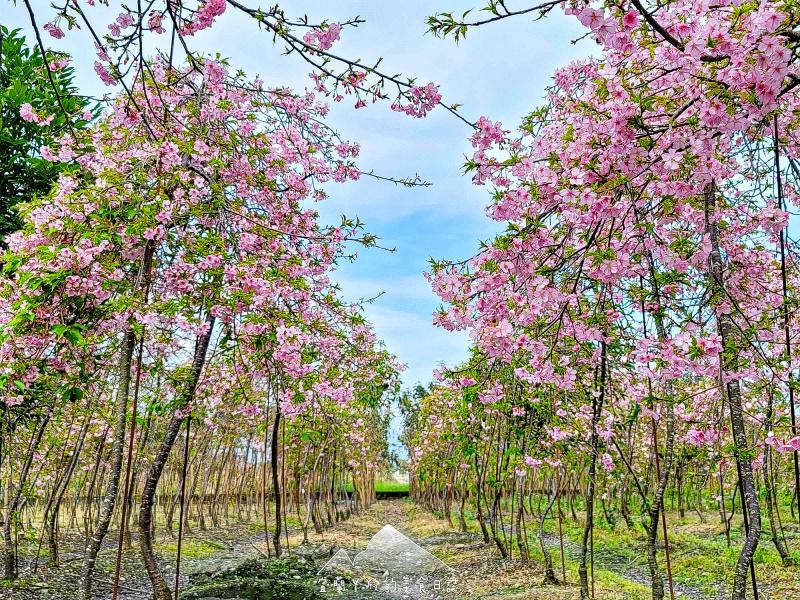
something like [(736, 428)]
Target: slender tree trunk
[(783, 235), (61, 490), (662, 471), (549, 572), (750, 509), (161, 590), (493, 525), (654, 513), (478, 503), (115, 469), (276, 484), (597, 408), (14, 497), (769, 489), (87, 509), (519, 525), (462, 521)]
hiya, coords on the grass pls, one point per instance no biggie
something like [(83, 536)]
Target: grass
[(190, 548), (700, 556), (384, 486), (609, 585), (390, 486)]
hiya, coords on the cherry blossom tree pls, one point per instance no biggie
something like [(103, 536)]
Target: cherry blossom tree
[(646, 211)]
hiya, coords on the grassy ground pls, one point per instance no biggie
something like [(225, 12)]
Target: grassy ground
[(390, 486), (701, 557), (481, 573), (385, 486), (701, 560)]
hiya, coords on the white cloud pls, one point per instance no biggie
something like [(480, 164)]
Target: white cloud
[(411, 287), (416, 342)]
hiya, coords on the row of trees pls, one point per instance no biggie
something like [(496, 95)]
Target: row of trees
[(174, 285), (641, 304), (641, 299)]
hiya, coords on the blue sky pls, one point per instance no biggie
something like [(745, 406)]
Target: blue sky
[(499, 71)]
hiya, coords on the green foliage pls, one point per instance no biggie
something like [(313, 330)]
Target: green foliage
[(24, 79), (390, 486), (191, 549), (257, 579)]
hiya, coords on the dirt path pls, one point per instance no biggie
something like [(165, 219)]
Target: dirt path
[(478, 572)]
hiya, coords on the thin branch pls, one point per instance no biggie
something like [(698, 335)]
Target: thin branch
[(47, 67)]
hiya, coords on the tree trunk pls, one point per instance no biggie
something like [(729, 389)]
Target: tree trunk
[(657, 579), (161, 589), (13, 504), (61, 490), (770, 498), (597, 408), (727, 329), (549, 572), (276, 484), (115, 469)]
